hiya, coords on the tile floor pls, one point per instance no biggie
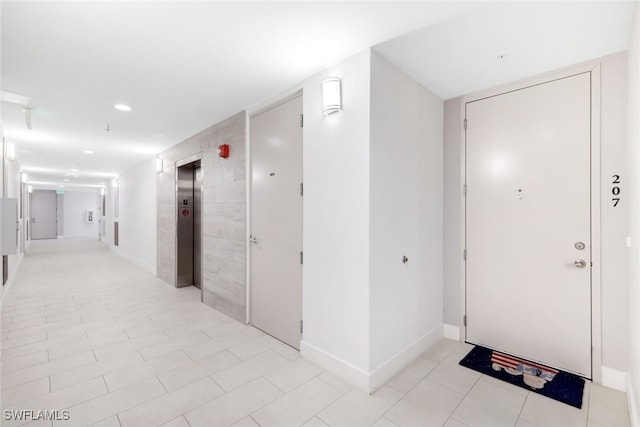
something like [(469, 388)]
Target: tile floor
[(86, 331)]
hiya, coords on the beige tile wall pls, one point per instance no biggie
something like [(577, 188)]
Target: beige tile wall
[(223, 216)]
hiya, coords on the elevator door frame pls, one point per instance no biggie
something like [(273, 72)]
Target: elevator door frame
[(179, 163)]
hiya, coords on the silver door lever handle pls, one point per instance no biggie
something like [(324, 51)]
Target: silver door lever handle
[(580, 263)]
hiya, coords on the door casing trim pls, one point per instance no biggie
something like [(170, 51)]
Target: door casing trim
[(596, 284)]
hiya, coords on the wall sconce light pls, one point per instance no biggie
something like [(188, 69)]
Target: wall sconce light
[(331, 96), (11, 151), (114, 183), (24, 177), (30, 189), (223, 151), (159, 165), (102, 191)]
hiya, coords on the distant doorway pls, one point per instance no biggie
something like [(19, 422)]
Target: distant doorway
[(44, 222)]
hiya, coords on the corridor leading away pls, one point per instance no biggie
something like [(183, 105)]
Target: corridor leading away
[(86, 331)]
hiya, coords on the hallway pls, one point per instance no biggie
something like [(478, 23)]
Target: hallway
[(87, 331)]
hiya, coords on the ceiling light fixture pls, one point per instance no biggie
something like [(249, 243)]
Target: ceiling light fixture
[(88, 152), (122, 107), (27, 117), (331, 96)]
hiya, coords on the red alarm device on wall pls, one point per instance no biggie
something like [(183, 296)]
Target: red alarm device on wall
[(223, 151)]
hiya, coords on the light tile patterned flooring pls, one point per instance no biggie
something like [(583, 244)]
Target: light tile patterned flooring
[(87, 331)]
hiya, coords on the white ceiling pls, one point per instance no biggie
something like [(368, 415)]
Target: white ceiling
[(460, 55), (183, 66)]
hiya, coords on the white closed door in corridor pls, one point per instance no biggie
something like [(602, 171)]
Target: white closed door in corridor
[(528, 223), (44, 214), (276, 221)]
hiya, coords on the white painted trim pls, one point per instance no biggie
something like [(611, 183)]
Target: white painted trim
[(596, 227), (148, 267), (353, 375), (596, 284), (370, 382), (634, 411), (614, 378), (392, 366), (12, 278), (247, 215), (452, 332)]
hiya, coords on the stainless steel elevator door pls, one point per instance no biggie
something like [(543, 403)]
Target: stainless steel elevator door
[(189, 187)]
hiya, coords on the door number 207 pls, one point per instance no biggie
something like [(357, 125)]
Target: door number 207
[(615, 190)]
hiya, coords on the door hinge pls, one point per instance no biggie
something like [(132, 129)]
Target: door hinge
[(301, 257), (465, 123), (301, 189), (464, 254), (464, 189), (301, 120), (301, 326), (464, 320)]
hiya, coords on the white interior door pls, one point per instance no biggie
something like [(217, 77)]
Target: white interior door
[(528, 226), (276, 221), (44, 214)]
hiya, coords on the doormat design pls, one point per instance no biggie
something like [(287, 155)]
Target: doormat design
[(558, 385)]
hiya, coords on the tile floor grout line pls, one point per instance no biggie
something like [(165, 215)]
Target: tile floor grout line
[(526, 398), (463, 399)]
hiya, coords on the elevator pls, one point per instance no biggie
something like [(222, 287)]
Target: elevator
[(189, 225)]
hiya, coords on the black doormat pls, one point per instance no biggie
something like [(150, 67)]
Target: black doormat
[(559, 385)]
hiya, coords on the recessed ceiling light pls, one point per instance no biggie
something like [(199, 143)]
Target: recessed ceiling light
[(74, 170), (66, 180), (61, 186), (122, 107), (88, 152)]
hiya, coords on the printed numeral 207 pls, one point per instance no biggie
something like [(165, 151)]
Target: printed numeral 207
[(615, 190)]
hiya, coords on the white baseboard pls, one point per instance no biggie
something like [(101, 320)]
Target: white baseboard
[(353, 375), (614, 378), (634, 413), (150, 268), (452, 332), (392, 366), (370, 382)]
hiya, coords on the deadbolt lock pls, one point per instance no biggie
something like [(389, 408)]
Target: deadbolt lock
[(579, 246)]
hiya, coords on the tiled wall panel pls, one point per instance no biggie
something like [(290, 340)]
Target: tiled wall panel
[(223, 215)]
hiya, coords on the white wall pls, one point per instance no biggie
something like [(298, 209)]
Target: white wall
[(614, 219), (633, 386), (11, 189), (108, 214), (75, 205), (613, 234), (373, 193), (137, 214), (406, 217), (336, 220)]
